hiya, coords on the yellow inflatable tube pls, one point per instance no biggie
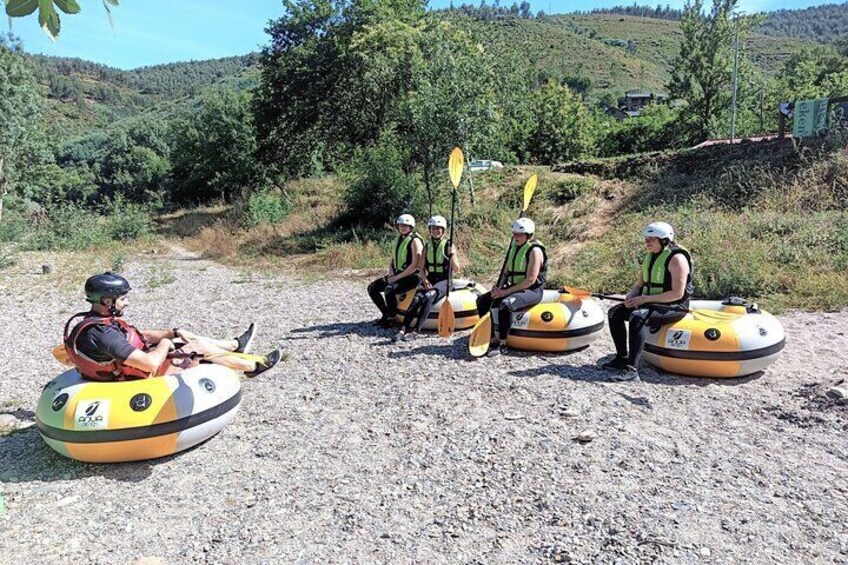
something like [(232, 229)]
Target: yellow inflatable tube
[(561, 322), (463, 298), (135, 420), (719, 339)]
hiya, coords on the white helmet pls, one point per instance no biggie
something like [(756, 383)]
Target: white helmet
[(405, 220), (661, 230), (524, 225), (437, 222)]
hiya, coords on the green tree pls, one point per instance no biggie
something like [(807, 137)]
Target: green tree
[(214, 147), (314, 103), (812, 73), (24, 154), (702, 72), (564, 127), (448, 97)]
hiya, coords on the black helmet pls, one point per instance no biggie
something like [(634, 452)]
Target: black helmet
[(106, 285)]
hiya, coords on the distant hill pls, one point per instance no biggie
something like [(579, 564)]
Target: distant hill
[(827, 23), (602, 54), (83, 95)]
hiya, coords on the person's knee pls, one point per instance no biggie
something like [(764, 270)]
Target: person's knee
[(616, 313), (510, 304), (638, 318), (431, 295)]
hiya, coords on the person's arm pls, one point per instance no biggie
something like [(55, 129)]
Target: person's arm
[(155, 336), (454, 259), (679, 269), (422, 272), (502, 276), (534, 265), (149, 361), (416, 247), (636, 289)]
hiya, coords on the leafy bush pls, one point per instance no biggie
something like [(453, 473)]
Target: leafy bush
[(379, 189), (657, 128), (128, 220), (69, 227), (264, 207), (566, 190), (12, 228)]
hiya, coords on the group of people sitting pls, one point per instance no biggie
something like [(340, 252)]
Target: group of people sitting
[(104, 347), (660, 294)]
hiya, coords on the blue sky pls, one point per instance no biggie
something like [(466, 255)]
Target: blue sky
[(150, 32)]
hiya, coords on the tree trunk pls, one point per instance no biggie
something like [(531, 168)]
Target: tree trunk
[(427, 184), (3, 189)]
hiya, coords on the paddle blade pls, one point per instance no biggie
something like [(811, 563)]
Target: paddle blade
[(478, 341), (61, 355), (577, 292), (447, 319), (529, 189), (455, 163)]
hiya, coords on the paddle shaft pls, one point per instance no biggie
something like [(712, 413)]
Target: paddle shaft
[(649, 305), (450, 244)]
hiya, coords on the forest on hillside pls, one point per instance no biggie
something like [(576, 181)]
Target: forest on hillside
[(827, 23)]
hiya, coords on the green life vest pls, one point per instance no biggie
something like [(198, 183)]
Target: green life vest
[(401, 252), (435, 256), (656, 278), (517, 263)]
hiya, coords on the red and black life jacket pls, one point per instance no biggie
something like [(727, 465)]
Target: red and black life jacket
[(103, 371)]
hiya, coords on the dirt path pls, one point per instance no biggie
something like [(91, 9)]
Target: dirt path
[(358, 450)]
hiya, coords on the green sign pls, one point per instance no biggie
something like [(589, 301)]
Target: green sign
[(810, 117)]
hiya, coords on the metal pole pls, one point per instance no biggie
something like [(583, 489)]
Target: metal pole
[(735, 79)]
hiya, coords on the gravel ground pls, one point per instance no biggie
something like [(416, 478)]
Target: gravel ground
[(359, 450)]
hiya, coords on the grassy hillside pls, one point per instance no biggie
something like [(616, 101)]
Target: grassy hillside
[(826, 23), (615, 52)]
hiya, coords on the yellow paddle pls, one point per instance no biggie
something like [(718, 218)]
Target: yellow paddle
[(481, 335), (478, 341), (447, 318)]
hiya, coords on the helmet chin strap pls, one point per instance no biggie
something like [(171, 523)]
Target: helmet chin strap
[(112, 310)]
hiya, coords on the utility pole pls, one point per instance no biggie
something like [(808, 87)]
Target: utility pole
[(735, 80)]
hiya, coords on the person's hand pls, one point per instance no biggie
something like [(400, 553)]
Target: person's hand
[(498, 293), (451, 251), (390, 280), (635, 301), (426, 284), (169, 343)]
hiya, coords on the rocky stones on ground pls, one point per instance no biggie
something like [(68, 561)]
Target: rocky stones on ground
[(354, 438), (838, 393), (586, 436), (8, 422)]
